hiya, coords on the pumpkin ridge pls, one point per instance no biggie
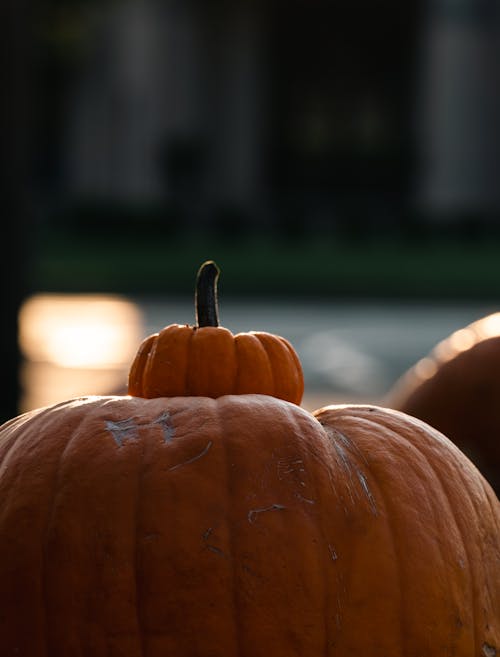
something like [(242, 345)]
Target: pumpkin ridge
[(147, 362), (211, 429), (384, 505), (400, 436), (487, 490), (472, 588), (253, 365), (10, 453), (139, 614), (329, 622), (236, 364), (289, 384), (270, 363), (470, 581), (48, 508), (295, 359), (16, 422), (139, 366), (237, 354), (473, 574), (388, 506), (492, 497), (239, 642), (187, 369), (49, 520), (10, 448), (379, 423), (250, 568)]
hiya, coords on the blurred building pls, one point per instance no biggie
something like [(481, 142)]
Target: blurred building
[(459, 125), (325, 106)]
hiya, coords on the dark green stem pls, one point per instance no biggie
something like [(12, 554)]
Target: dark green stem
[(207, 311)]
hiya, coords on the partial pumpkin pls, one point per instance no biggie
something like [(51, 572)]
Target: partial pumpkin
[(242, 525), (456, 388)]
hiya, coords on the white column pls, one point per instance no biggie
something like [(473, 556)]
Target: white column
[(234, 93), (459, 131), (138, 90)]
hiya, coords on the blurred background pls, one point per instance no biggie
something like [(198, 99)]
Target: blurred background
[(339, 160)]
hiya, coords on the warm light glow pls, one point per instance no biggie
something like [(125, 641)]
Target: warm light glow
[(425, 368), (79, 331), (462, 339), (465, 338), (444, 351), (488, 327)]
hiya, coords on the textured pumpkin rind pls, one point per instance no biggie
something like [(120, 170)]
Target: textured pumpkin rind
[(457, 391), (183, 360), (242, 526)]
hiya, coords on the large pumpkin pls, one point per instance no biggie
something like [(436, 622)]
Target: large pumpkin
[(456, 388), (242, 525)]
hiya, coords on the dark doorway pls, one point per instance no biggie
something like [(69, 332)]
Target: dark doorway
[(342, 96)]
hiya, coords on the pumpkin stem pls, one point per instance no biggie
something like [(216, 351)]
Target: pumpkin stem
[(207, 311)]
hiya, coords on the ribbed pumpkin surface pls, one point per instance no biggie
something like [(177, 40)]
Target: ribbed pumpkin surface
[(183, 360), (242, 527)]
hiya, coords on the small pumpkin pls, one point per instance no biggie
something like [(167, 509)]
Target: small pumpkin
[(242, 525), (456, 388), (208, 360)]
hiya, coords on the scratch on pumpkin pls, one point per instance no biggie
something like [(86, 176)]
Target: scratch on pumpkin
[(254, 512), (122, 430), (168, 430), (194, 458), (367, 491), (304, 499), (128, 429), (213, 548), (333, 552), (289, 466), (216, 550)]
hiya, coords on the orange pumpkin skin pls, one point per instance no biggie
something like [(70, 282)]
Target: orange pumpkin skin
[(457, 390), (183, 360), (242, 526)]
